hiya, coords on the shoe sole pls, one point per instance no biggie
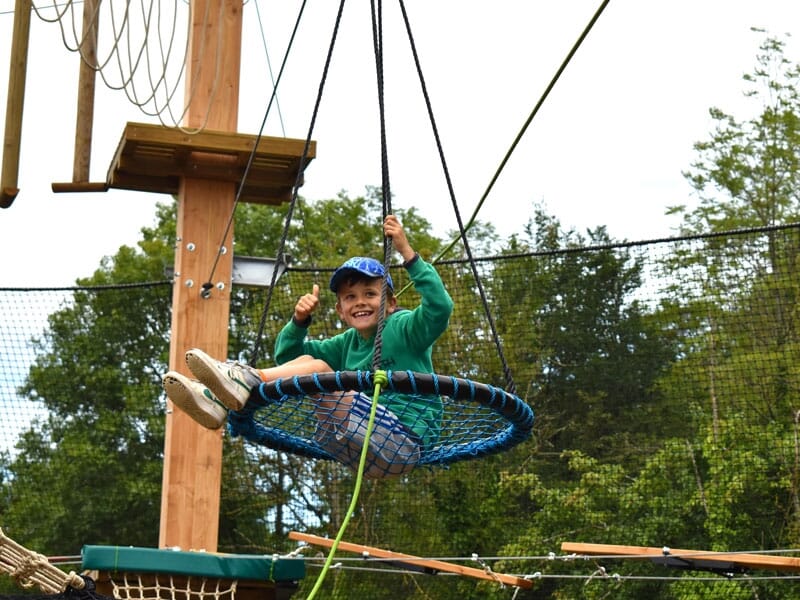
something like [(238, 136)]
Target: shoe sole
[(205, 369), (183, 396)]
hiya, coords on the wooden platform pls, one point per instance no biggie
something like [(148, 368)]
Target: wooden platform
[(154, 158), (162, 574)]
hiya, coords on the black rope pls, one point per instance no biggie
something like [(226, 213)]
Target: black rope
[(208, 285), (91, 288), (462, 231), (386, 195), (377, 31), (293, 203), (539, 104)]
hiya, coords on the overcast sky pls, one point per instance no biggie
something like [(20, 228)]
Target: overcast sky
[(607, 148)]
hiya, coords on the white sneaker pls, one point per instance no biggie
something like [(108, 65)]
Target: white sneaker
[(230, 382), (195, 399)]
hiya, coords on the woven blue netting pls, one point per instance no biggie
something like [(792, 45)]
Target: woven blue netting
[(477, 419)]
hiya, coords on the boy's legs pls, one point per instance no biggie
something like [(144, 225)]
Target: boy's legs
[(343, 418)]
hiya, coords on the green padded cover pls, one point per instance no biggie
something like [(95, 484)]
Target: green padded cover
[(206, 564)]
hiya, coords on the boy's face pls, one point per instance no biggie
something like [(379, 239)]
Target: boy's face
[(358, 304)]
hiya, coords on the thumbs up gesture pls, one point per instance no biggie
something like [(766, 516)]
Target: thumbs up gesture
[(306, 305)]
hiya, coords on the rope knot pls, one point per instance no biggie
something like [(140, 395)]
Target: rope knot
[(381, 378), (27, 568)]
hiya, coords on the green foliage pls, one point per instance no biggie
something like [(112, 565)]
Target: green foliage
[(665, 417), (592, 370), (98, 455), (748, 173), (97, 372)]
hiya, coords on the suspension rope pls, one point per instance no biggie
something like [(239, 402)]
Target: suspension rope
[(462, 228), (386, 195), (463, 234), (207, 286), (293, 203), (381, 378)]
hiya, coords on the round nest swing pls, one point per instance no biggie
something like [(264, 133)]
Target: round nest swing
[(478, 419)]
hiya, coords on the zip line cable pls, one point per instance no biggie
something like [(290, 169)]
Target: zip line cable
[(528, 121)]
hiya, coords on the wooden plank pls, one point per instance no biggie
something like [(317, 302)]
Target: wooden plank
[(87, 75), (80, 186), (15, 102), (153, 158), (754, 561), (414, 562), (211, 140)]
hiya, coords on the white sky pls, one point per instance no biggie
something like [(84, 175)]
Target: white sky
[(607, 148)]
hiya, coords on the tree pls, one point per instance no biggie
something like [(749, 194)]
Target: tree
[(595, 355), (91, 472), (748, 173)]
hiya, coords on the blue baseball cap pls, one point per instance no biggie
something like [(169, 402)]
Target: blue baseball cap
[(359, 265)]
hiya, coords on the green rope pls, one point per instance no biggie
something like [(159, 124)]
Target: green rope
[(381, 379)]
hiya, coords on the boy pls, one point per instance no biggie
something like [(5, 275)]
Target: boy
[(404, 424)]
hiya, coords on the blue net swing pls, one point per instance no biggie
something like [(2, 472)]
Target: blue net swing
[(477, 419), (473, 419), (418, 419)]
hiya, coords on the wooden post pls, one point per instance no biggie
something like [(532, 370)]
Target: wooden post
[(15, 101), (86, 85), (193, 455)]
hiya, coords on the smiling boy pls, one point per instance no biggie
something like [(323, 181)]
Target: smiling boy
[(404, 425)]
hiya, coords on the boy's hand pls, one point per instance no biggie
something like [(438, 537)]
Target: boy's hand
[(306, 305), (393, 229)]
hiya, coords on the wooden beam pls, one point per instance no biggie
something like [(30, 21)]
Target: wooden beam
[(414, 562), (193, 455), (78, 186), (14, 102), (84, 121), (752, 561), (190, 496)]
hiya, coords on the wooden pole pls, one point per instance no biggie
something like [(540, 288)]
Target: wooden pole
[(14, 102), (86, 85), (743, 560), (193, 455), (414, 562)]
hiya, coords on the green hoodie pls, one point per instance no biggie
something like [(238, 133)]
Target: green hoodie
[(406, 343)]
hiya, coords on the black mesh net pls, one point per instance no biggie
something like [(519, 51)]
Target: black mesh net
[(664, 378)]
